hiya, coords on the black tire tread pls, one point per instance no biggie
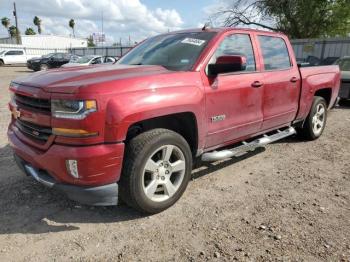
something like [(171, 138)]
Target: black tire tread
[(132, 151), (306, 131)]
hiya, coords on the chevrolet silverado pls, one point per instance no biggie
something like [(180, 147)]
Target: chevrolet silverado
[(134, 129)]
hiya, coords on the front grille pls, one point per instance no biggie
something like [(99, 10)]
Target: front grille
[(39, 104), (34, 131)]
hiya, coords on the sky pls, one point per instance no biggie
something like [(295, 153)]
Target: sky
[(138, 18)]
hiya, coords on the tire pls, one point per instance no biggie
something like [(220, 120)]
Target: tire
[(163, 185), (2, 63), (44, 67), (316, 120)]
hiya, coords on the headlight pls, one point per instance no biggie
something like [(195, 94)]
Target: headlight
[(72, 109)]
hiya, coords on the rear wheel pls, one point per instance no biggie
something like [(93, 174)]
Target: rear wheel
[(316, 120), (156, 171)]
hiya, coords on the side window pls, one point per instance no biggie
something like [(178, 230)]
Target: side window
[(19, 52), (236, 44), (11, 53), (274, 52)]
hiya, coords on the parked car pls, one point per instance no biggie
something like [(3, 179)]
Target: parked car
[(344, 64), (53, 60), (13, 56), (134, 129), (329, 60), (91, 60)]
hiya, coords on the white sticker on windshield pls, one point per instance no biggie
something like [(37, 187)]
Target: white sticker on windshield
[(193, 41)]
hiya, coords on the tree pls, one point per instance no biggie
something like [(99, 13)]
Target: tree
[(71, 25), (6, 23), (37, 23), (30, 31), (90, 41), (13, 31), (296, 18)]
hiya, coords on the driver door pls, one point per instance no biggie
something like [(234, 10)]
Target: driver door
[(234, 100)]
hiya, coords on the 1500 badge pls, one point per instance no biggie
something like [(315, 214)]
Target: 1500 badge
[(218, 118)]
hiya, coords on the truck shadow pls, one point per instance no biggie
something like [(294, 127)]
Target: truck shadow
[(27, 207)]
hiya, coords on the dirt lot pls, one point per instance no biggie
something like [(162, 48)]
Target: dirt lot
[(290, 202)]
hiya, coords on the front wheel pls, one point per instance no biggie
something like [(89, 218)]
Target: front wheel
[(44, 67), (157, 170), (316, 120)]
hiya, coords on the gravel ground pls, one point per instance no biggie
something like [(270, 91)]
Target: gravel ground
[(290, 202)]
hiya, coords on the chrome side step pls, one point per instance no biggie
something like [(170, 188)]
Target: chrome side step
[(246, 147)]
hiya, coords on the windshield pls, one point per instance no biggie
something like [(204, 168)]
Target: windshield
[(48, 55), (177, 52), (2, 52), (344, 64), (84, 59)]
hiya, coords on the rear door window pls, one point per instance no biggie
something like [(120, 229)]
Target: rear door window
[(275, 53)]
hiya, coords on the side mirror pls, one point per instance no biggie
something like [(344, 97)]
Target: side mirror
[(228, 64)]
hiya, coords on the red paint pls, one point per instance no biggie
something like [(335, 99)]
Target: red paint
[(252, 102)]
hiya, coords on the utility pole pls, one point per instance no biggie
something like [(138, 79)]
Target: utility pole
[(102, 37), (18, 37)]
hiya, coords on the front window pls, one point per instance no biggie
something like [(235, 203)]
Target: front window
[(84, 59), (177, 52), (48, 55)]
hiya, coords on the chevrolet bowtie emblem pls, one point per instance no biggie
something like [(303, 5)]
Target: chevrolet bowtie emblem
[(16, 113)]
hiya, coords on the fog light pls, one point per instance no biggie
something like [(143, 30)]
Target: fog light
[(72, 168)]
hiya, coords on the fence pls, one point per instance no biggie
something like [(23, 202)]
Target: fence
[(117, 51), (321, 48)]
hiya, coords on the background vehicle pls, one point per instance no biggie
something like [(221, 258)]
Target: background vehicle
[(91, 60), (13, 56), (135, 128), (53, 60), (344, 64)]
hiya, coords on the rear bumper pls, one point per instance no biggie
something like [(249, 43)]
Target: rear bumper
[(106, 195)]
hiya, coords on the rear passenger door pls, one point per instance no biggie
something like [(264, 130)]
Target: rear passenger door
[(281, 82)]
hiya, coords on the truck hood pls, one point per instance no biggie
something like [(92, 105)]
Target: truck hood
[(70, 80)]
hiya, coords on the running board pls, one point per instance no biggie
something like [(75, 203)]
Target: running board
[(246, 147)]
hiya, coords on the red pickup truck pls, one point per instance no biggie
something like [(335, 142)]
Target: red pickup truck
[(134, 129)]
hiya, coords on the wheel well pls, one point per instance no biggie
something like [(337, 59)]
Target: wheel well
[(184, 124), (326, 93)]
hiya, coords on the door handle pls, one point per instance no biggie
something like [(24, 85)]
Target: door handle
[(257, 84), (294, 79)]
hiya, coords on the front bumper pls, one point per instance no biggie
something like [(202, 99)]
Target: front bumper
[(106, 195), (99, 169)]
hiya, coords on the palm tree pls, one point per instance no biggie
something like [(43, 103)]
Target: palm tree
[(30, 31), (13, 31), (71, 25), (37, 23), (6, 23)]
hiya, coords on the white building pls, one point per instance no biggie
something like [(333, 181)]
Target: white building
[(43, 44)]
